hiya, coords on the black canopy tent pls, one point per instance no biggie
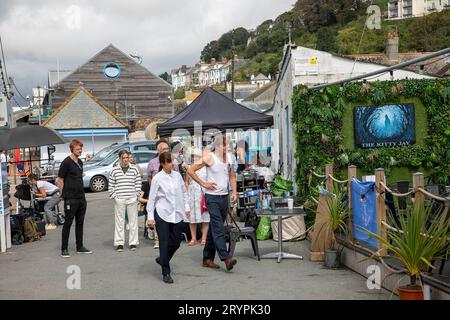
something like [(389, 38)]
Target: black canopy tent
[(215, 111)]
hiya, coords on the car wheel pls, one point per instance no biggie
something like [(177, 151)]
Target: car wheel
[(98, 184)]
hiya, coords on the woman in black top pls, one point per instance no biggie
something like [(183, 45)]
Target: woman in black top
[(143, 198)]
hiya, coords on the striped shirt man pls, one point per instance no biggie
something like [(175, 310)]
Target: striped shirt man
[(124, 182)]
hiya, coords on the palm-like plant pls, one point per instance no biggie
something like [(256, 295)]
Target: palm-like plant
[(338, 213), (419, 239)]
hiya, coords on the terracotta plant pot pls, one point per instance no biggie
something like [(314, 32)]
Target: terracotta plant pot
[(410, 293)]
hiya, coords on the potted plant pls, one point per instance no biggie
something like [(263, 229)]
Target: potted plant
[(338, 212), (419, 238)]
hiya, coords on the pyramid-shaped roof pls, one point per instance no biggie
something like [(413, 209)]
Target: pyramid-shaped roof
[(215, 111), (82, 110)]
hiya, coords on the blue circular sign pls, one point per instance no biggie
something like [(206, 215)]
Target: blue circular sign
[(111, 70)]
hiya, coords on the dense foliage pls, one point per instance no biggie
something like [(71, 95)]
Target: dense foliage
[(329, 25), (318, 119), (179, 94)]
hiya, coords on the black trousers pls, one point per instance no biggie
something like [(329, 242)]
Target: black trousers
[(73, 209), (169, 241)]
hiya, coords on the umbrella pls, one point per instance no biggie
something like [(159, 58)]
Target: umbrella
[(29, 136)]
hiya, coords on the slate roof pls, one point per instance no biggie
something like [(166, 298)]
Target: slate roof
[(82, 110), (260, 77)]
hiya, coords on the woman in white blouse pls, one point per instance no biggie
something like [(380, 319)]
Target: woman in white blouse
[(167, 206)]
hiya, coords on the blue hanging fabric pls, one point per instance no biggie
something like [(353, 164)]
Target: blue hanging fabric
[(364, 211)]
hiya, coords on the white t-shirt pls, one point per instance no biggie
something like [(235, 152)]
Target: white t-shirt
[(48, 187), (3, 158)]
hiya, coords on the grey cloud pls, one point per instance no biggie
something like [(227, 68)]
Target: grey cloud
[(166, 33)]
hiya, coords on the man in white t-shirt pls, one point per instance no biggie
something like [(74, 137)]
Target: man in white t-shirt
[(43, 189), (3, 157)]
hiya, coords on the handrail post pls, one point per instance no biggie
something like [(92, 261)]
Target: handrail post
[(381, 207), (418, 182), (352, 171), (328, 172)]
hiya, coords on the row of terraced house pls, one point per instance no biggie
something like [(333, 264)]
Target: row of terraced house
[(204, 74)]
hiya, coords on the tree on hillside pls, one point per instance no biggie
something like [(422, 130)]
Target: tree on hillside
[(241, 36), (222, 47), (326, 39), (431, 32), (165, 76), (321, 13), (211, 50)]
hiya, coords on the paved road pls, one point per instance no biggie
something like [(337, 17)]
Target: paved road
[(36, 271)]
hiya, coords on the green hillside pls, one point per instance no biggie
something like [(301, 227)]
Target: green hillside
[(329, 26)]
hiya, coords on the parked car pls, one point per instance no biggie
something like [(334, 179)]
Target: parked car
[(95, 177), (116, 147)]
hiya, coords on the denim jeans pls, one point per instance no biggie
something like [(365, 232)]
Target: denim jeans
[(218, 207)]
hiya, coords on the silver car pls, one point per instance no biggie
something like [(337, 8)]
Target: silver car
[(95, 176)]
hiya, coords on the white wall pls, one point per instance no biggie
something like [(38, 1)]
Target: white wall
[(283, 143), (314, 67)]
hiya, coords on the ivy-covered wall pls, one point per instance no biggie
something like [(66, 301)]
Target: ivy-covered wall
[(324, 130)]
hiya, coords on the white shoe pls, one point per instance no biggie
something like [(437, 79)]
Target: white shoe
[(50, 227), (151, 235), (156, 246)]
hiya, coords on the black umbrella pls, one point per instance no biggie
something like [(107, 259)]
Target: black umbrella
[(29, 136)]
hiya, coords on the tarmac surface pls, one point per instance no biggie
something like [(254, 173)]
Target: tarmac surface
[(36, 271)]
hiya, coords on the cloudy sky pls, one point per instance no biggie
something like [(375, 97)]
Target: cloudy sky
[(166, 33)]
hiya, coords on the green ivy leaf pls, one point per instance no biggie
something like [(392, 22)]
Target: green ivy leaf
[(379, 95), (445, 93)]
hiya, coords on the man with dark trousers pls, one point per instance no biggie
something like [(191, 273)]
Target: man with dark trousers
[(70, 181), (220, 176)]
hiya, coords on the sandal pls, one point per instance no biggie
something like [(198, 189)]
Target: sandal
[(203, 242), (192, 243)]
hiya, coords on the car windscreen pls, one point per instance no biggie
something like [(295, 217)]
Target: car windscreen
[(102, 154), (110, 159)]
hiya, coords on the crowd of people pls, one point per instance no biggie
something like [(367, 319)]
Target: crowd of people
[(177, 191)]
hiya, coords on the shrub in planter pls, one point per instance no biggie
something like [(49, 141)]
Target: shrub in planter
[(338, 213), (420, 237)]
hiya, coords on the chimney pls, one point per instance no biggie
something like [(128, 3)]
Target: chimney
[(213, 61), (392, 47)]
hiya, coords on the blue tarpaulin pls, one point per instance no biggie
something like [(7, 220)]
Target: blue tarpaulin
[(364, 211)]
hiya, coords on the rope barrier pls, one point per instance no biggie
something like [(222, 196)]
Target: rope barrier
[(433, 196), (390, 227), (318, 175), (377, 254), (401, 231), (338, 181), (395, 193)]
